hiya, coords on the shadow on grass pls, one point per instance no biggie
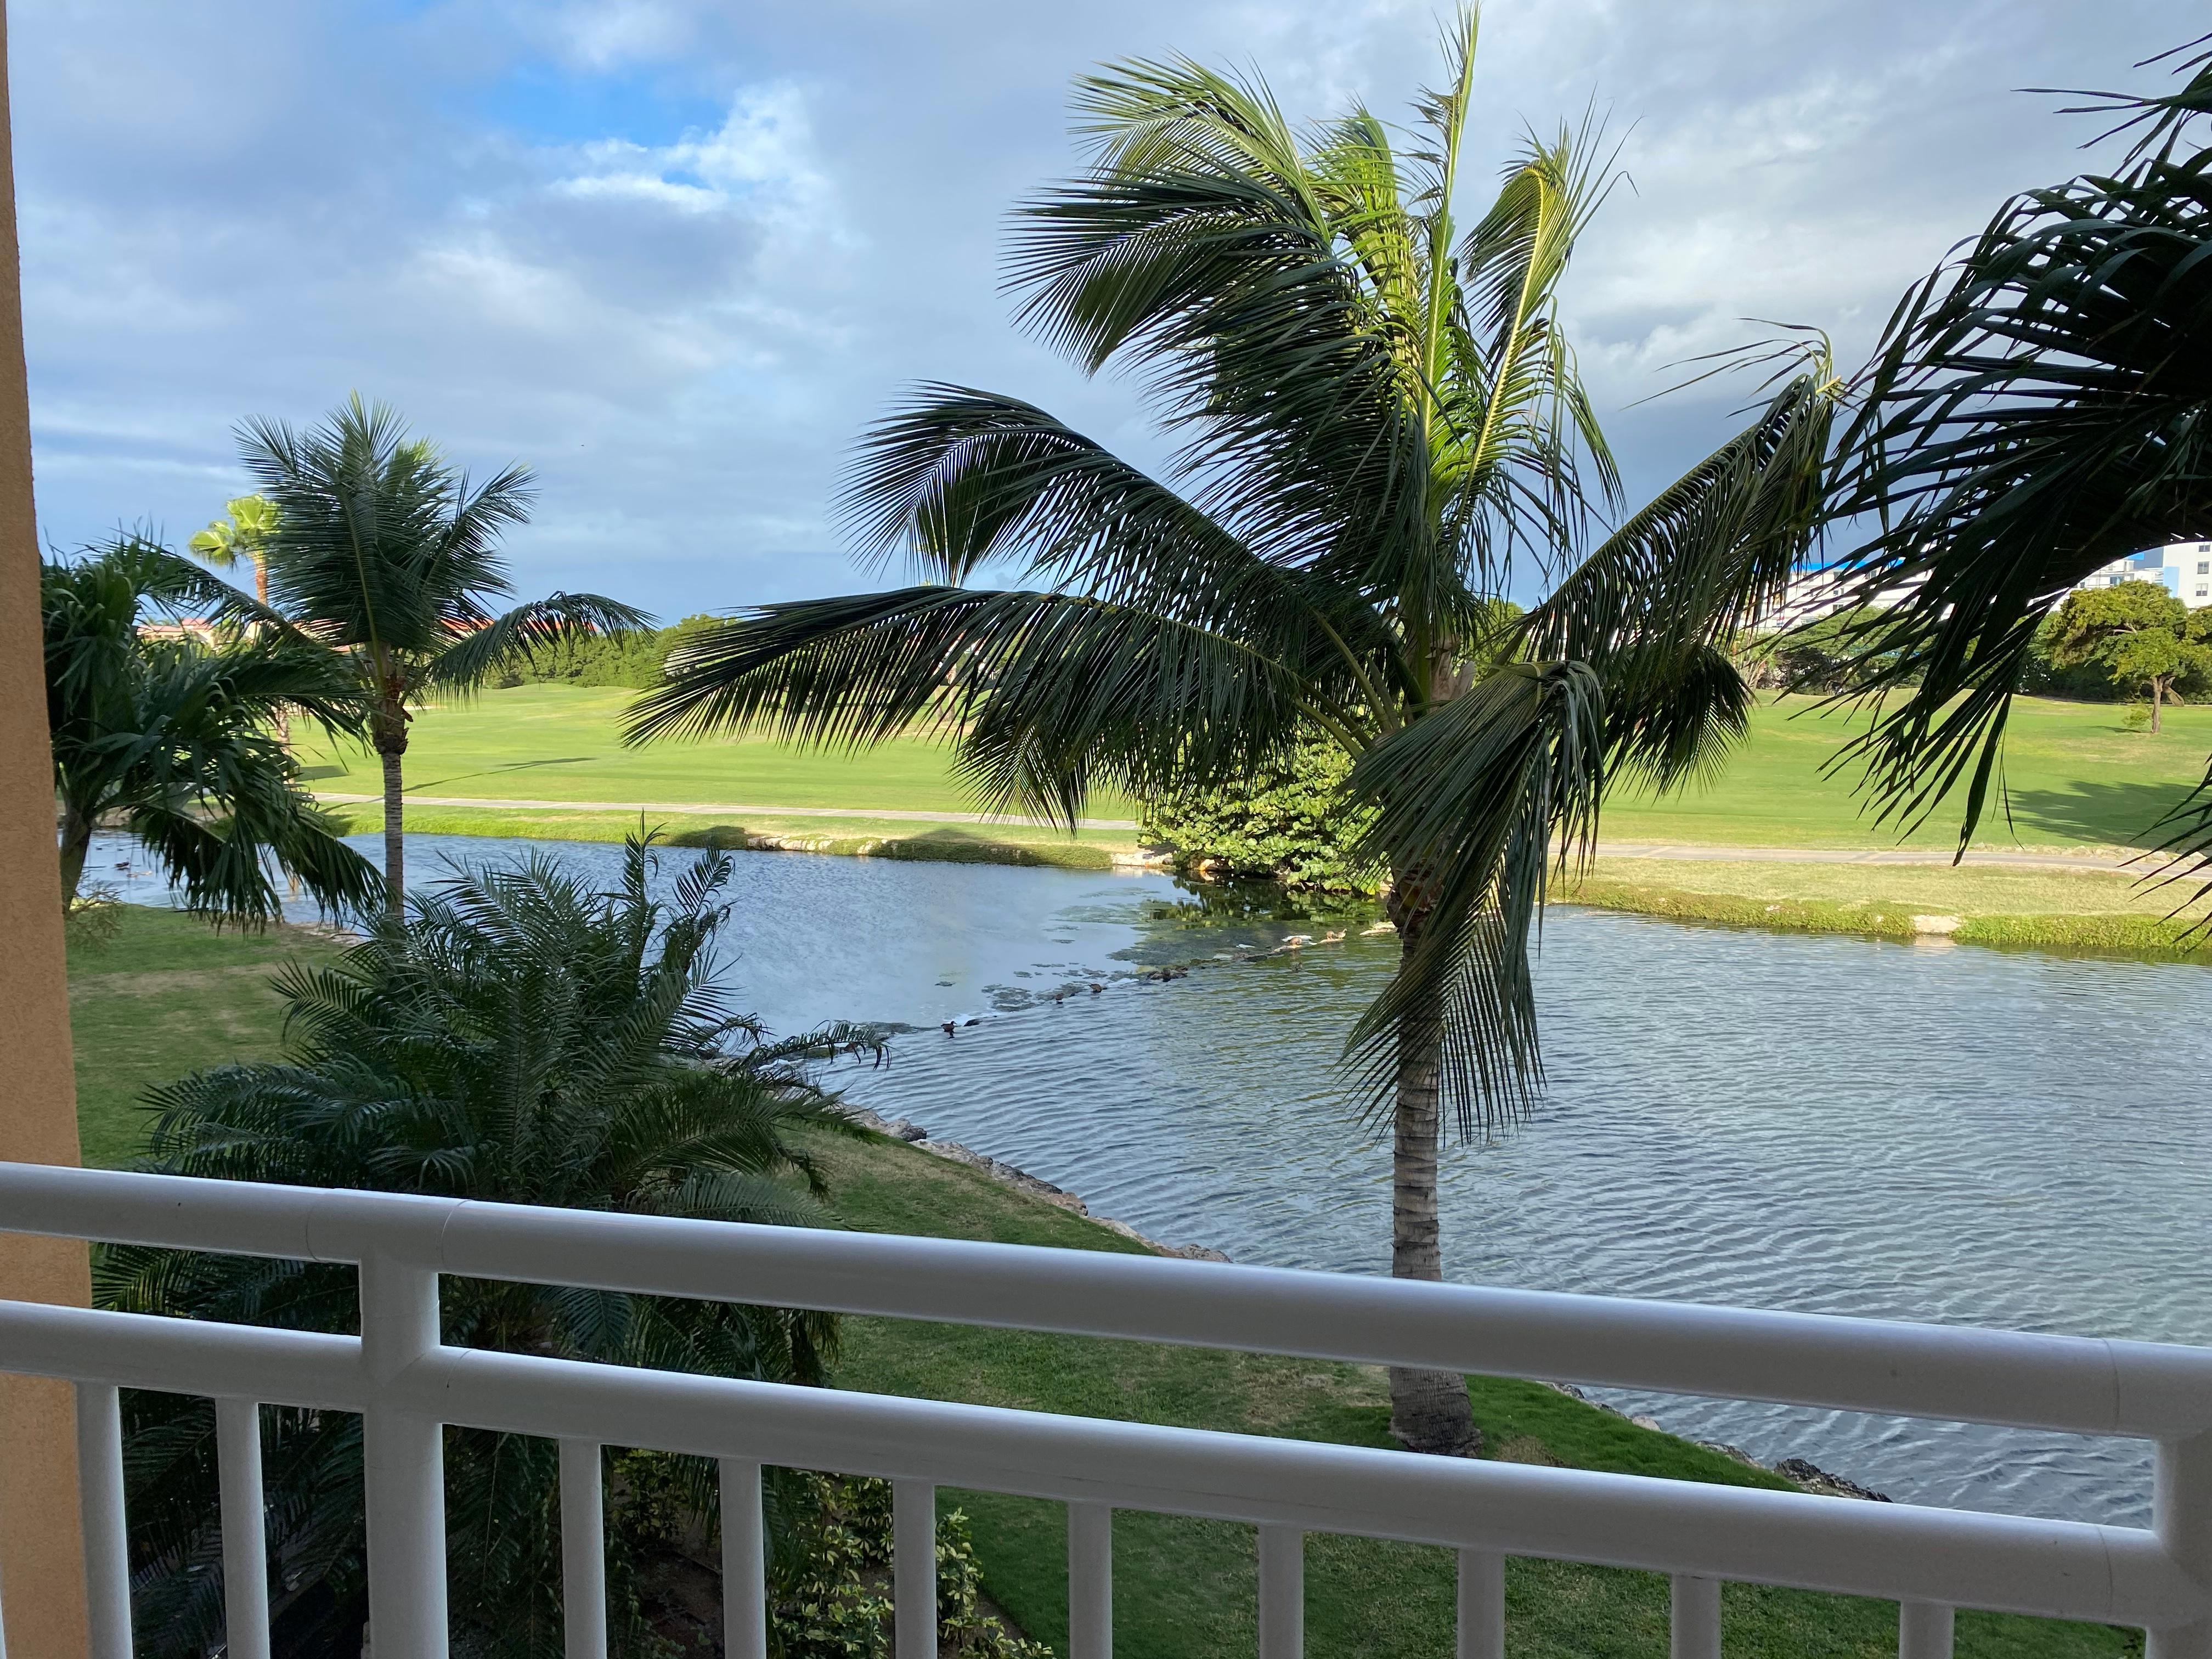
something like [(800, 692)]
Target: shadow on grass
[(2123, 814), (500, 771)]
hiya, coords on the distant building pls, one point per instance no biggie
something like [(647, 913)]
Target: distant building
[(1813, 594), (2183, 568)]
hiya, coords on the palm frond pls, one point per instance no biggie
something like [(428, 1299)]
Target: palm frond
[(1467, 803), (524, 635)]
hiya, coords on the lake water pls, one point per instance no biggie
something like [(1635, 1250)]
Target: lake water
[(1827, 1125)]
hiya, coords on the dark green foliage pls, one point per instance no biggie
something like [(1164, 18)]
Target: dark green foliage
[(1822, 655), (175, 738), (631, 657), (518, 1038), (2139, 636), (1289, 822)]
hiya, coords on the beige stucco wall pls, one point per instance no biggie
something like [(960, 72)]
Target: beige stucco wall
[(42, 1570)]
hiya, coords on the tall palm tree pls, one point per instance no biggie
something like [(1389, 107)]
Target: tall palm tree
[(519, 1038), (172, 738), (243, 537), (384, 554), (1377, 412), (2040, 405)]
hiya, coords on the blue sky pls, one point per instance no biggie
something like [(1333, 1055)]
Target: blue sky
[(676, 256)]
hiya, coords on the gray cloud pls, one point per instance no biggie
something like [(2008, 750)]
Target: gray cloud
[(676, 256)]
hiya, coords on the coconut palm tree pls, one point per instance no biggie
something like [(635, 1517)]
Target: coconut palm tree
[(172, 738), (2041, 404), (518, 1037), (384, 554), (1377, 412)]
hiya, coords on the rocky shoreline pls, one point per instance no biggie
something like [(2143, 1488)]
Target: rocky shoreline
[(1801, 1473)]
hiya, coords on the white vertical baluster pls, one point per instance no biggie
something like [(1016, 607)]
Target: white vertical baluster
[(2181, 1515), (404, 1463), (1282, 1593), (914, 1569), (1924, 1631), (1481, 1605), (245, 1529), (1089, 1581), (583, 1552), (107, 1546), (1695, 1622), (744, 1563)]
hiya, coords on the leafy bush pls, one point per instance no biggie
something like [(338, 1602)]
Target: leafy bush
[(833, 1603), (632, 659), (1288, 823)]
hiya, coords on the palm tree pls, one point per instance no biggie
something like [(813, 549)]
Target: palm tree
[(171, 738), (1376, 411), (2039, 405), (243, 537), (518, 1038), (384, 554)]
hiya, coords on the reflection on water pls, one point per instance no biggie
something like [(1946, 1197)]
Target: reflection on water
[(1827, 1125)]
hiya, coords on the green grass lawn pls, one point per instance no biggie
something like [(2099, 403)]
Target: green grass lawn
[(561, 743), (168, 994), (2077, 777)]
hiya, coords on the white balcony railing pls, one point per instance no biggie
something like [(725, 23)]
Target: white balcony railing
[(405, 1384)]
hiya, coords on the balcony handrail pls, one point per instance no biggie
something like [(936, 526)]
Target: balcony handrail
[(407, 1384), (1962, 1374)]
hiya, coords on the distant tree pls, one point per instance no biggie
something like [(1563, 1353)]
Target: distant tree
[(172, 739), (518, 1037), (243, 537), (2143, 638), (383, 554)]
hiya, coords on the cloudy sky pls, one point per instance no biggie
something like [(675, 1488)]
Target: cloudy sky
[(676, 253)]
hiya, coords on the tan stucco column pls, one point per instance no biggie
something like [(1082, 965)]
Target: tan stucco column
[(41, 1558)]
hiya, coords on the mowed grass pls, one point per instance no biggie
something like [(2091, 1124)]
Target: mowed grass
[(2076, 776), (562, 742), (169, 995)]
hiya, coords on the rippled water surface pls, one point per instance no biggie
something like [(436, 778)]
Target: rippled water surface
[(1834, 1125)]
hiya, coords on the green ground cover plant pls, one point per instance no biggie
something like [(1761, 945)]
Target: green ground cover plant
[(1184, 1588)]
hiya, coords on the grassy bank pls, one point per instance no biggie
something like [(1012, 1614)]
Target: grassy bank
[(2094, 911), (883, 838), (168, 994)]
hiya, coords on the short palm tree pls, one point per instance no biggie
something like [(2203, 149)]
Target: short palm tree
[(1377, 412), (2040, 405), (521, 1038), (172, 739), (384, 554)]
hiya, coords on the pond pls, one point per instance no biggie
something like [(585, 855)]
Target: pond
[(1827, 1125)]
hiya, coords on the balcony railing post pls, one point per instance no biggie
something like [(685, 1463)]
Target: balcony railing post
[(744, 1563), (1282, 1593), (107, 1544), (1481, 1605), (245, 1529), (583, 1552), (1694, 1620), (405, 1465), (2181, 1511), (1924, 1631), (914, 1569), (1089, 1581)]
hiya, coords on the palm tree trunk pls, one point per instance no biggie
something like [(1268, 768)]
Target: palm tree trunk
[(390, 737), (1429, 1410), (77, 842)]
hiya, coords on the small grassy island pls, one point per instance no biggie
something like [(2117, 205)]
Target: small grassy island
[(167, 994)]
